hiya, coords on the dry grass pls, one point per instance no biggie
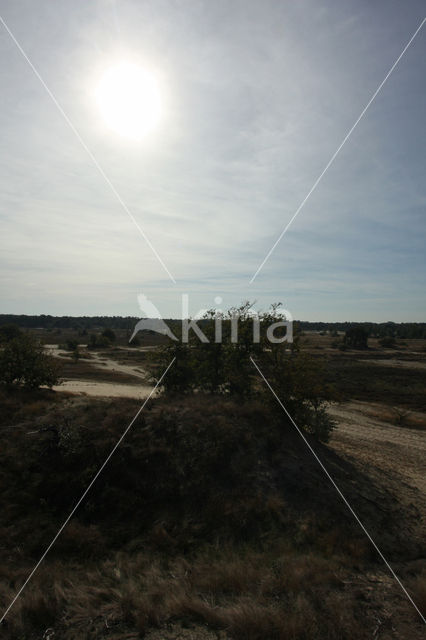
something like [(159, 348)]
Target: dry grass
[(197, 520), (418, 591), (399, 416), (19, 405), (248, 594)]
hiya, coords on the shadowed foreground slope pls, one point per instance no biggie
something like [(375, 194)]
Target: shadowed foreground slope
[(211, 520)]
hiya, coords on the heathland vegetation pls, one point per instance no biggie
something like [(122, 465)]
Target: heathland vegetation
[(227, 367), (212, 519), (23, 361), (410, 330)]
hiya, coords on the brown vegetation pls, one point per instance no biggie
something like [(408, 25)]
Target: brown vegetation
[(212, 514), (211, 521)]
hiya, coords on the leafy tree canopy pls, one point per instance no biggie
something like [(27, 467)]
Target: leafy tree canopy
[(23, 362)]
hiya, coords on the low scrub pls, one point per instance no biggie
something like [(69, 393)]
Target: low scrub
[(23, 362), (280, 596), (211, 514)]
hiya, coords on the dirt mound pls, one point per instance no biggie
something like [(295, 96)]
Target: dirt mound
[(191, 471), (212, 519)]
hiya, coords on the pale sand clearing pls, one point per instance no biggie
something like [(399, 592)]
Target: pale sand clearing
[(105, 389), (399, 451)]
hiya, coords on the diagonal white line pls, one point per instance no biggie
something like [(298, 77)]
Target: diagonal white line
[(80, 500), (339, 148), (89, 153), (340, 493)]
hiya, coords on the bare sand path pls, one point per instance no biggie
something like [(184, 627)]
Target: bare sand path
[(399, 451), (104, 389)]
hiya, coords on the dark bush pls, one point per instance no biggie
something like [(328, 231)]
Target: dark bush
[(23, 362), (388, 342), (226, 367), (109, 335), (356, 338), (9, 332), (98, 342)]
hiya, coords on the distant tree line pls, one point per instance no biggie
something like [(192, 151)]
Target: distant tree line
[(373, 329), (69, 322), (90, 323)]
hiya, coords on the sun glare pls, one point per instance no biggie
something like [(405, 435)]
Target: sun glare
[(129, 100)]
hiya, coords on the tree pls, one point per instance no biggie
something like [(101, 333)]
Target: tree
[(356, 338), (23, 362), (388, 342), (109, 334), (298, 381), (225, 366), (9, 332), (98, 342)]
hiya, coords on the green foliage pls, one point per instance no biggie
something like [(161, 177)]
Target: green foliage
[(109, 335), (406, 330), (314, 419), (222, 367), (388, 342), (9, 332), (299, 382), (356, 338), (98, 342), (69, 439), (225, 367), (23, 362), (181, 379)]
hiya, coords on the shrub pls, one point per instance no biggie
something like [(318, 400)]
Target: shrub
[(356, 338), (418, 589), (317, 422), (400, 416), (98, 342), (109, 335), (9, 332), (23, 362), (387, 342), (226, 367), (298, 381)]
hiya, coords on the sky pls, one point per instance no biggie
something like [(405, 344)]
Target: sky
[(256, 98)]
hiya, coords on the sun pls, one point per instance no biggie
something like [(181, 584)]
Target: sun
[(129, 100)]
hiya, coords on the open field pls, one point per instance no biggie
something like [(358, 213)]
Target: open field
[(393, 377), (116, 373)]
